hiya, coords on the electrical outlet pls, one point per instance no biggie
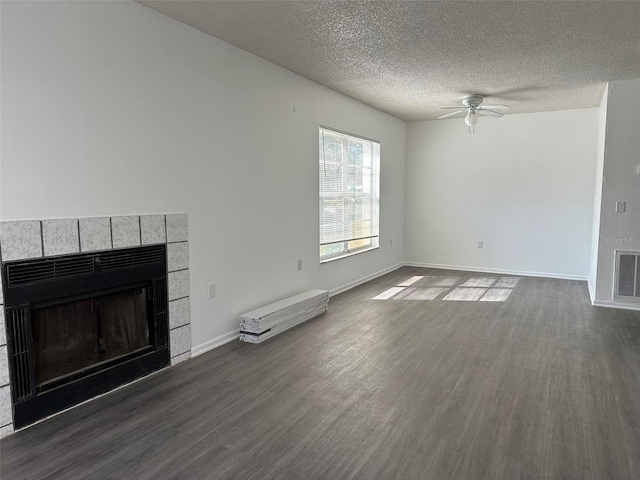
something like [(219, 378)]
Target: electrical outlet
[(299, 265), (621, 207), (480, 243), (212, 290)]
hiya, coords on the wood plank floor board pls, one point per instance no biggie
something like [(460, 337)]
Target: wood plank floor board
[(258, 468), (542, 385), (403, 455), (202, 460), (339, 446)]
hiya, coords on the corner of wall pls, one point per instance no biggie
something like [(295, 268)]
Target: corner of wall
[(619, 180), (597, 198)]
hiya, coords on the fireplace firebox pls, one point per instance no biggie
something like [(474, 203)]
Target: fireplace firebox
[(81, 325)]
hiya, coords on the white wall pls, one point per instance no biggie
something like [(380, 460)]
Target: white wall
[(597, 194), (110, 108), (523, 184), (621, 182)]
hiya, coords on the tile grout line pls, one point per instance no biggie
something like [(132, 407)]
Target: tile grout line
[(41, 238), (79, 240), (111, 231)]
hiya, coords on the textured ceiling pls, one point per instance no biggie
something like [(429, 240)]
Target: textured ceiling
[(411, 58)]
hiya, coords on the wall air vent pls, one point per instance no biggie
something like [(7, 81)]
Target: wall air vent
[(627, 275)]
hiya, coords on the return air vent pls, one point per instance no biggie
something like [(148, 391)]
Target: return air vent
[(628, 275), (49, 269)]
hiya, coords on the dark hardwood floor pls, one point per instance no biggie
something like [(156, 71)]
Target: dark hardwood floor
[(541, 386)]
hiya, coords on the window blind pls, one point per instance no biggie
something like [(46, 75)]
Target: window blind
[(349, 193)]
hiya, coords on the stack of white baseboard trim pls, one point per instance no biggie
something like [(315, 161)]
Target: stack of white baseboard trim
[(262, 323)]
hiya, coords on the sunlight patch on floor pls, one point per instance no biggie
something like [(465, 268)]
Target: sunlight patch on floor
[(507, 282), (421, 293), (387, 294), (479, 282), (464, 294), (447, 282), (496, 295), (472, 290), (410, 281)]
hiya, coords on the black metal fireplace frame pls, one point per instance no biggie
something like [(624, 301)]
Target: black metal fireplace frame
[(30, 284)]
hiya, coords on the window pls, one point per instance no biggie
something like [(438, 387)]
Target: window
[(349, 194)]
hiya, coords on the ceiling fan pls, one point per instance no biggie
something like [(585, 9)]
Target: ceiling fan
[(472, 107)]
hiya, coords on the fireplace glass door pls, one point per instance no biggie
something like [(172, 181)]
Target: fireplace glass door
[(73, 336)]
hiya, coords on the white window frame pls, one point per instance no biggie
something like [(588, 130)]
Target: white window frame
[(353, 236)]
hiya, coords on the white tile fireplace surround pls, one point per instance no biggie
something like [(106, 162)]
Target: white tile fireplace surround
[(27, 239)]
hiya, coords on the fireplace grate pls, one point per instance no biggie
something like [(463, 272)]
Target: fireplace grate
[(49, 269)]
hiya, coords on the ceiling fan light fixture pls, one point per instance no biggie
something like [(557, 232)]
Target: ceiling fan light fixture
[(471, 119), (472, 107)]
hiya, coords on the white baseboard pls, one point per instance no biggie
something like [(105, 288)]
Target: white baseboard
[(614, 304), (366, 279), (592, 291), (464, 268), (215, 343)]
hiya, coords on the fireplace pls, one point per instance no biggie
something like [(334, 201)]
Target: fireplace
[(81, 325)]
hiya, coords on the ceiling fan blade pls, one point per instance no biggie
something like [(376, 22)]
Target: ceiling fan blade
[(452, 114), (450, 108), (489, 113), (494, 107)]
